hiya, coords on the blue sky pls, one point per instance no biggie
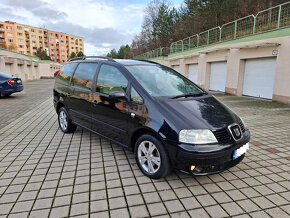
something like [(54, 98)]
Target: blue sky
[(105, 24)]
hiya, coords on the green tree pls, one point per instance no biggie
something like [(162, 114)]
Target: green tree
[(80, 54), (42, 54), (113, 54), (73, 55)]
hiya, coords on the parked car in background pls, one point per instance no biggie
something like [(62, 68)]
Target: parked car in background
[(9, 84), (164, 118)]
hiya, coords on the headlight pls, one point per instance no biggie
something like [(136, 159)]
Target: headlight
[(197, 136)]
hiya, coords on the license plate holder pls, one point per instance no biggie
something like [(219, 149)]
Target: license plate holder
[(241, 150)]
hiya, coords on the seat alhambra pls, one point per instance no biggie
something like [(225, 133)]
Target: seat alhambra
[(165, 119)]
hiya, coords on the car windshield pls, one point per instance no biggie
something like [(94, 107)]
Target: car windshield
[(161, 81)]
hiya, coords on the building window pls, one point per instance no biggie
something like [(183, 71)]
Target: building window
[(19, 27), (51, 45), (52, 40), (72, 47), (62, 46), (62, 41), (34, 53), (10, 34), (33, 42), (33, 30), (81, 49), (10, 40), (8, 27), (62, 51), (52, 55), (72, 43), (21, 52), (39, 31), (33, 36), (52, 50), (61, 36), (81, 44), (51, 34), (20, 46), (81, 40), (34, 48), (62, 56), (20, 40), (19, 34), (72, 38)]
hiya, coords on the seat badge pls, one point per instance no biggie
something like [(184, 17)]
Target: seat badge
[(133, 115)]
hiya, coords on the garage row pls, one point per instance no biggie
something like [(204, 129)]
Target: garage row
[(258, 78)]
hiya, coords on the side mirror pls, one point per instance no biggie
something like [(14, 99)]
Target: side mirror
[(117, 95)]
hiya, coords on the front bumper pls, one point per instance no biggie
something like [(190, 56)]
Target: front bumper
[(207, 159)]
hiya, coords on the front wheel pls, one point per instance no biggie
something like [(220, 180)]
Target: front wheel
[(64, 121), (151, 157)]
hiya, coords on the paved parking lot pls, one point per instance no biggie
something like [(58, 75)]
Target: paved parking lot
[(46, 173)]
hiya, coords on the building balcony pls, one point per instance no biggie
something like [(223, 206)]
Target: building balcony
[(2, 40), (2, 30)]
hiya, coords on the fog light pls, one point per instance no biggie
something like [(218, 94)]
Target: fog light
[(192, 167)]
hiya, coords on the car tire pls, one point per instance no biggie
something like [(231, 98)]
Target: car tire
[(148, 150), (64, 121)]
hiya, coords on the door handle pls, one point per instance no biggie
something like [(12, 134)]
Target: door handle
[(95, 102)]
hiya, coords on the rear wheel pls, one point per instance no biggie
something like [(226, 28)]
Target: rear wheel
[(151, 157), (64, 121)]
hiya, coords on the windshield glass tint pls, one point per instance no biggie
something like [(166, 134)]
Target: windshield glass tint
[(160, 81)]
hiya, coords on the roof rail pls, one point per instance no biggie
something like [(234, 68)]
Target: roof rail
[(95, 57), (153, 62)]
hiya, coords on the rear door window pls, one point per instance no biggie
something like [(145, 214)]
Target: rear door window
[(84, 75), (111, 79), (65, 73)]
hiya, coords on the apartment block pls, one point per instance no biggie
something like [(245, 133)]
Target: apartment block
[(26, 40)]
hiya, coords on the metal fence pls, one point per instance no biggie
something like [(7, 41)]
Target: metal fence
[(269, 19)]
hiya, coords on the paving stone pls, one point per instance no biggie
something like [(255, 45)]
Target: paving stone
[(79, 209), (263, 202), (138, 211), (206, 200), (216, 211), (232, 208), (120, 213), (117, 202), (173, 206), (200, 212), (156, 209), (133, 200), (97, 206), (248, 205), (59, 211)]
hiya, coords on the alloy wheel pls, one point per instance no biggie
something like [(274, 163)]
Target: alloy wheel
[(63, 120), (149, 157)]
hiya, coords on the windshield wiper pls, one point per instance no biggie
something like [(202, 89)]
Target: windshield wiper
[(190, 94)]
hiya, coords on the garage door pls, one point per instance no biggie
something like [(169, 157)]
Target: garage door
[(192, 72), (176, 68), (218, 75), (259, 77), (8, 68)]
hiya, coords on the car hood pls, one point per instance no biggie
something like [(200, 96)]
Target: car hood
[(197, 113)]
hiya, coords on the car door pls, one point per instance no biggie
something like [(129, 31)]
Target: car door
[(80, 99), (110, 116)]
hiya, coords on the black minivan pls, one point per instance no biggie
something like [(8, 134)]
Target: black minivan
[(164, 118)]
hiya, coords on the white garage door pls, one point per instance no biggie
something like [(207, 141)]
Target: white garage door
[(176, 68), (218, 76), (192, 72), (259, 77)]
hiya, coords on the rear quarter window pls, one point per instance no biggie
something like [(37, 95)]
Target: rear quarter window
[(65, 73)]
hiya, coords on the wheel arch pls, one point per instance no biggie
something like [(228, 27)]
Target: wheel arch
[(141, 131)]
